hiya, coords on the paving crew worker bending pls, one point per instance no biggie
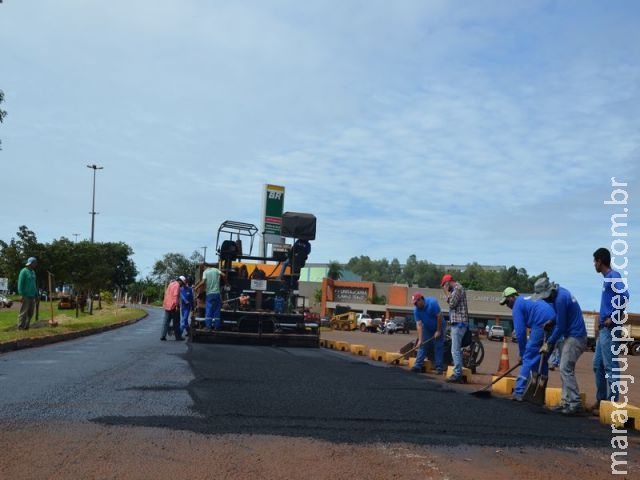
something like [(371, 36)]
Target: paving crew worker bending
[(429, 324), (171, 306), (528, 313), (570, 325), (459, 321)]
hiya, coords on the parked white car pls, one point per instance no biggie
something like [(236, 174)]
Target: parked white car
[(496, 332)]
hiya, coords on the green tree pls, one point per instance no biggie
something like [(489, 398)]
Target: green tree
[(473, 277), (14, 254), (410, 270), (145, 291), (335, 270), (172, 265), (395, 271), (85, 265)]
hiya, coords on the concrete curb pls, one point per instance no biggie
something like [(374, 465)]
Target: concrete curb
[(41, 341)]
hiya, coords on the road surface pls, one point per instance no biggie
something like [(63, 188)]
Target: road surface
[(122, 404)]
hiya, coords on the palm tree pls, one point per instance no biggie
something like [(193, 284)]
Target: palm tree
[(335, 270)]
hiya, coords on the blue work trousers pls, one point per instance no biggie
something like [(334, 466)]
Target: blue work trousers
[(531, 361), (432, 350), (603, 363), (212, 311), (185, 310)]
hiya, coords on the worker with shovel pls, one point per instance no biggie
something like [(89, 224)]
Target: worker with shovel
[(429, 325), (570, 324), (533, 315)]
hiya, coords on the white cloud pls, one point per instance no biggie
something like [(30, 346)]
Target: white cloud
[(479, 132)]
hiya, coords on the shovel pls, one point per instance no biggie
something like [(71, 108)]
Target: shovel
[(534, 391), (485, 391), (409, 352)]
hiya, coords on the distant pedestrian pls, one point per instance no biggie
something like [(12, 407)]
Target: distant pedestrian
[(186, 304), (570, 326), (28, 290), (456, 297), (428, 316), (535, 316), (171, 305), (613, 302), (211, 281)]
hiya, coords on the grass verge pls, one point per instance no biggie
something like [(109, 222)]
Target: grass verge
[(67, 322)]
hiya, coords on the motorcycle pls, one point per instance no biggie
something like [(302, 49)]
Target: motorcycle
[(389, 327), (472, 354)]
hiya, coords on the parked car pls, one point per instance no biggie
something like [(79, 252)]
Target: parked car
[(496, 332), (5, 302), (402, 324)]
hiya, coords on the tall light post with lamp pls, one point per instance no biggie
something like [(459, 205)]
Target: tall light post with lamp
[(94, 167)]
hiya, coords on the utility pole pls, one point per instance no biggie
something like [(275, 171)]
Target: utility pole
[(75, 235), (204, 257), (93, 203)]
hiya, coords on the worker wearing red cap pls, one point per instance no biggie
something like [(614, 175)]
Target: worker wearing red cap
[(456, 297), (429, 324)]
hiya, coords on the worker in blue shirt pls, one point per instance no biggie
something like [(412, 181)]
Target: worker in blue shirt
[(613, 302), (430, 327), (186, 304), (570, 325), (535, 316)]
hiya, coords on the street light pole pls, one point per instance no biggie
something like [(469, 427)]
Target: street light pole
[(75, 235), (204, 257), (93, 203)]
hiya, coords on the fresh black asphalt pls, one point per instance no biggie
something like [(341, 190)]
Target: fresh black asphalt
[(128, 377)]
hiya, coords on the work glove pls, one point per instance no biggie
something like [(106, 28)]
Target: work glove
[(545, 348)]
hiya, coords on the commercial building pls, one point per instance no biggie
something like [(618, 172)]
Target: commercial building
[(484, 307)]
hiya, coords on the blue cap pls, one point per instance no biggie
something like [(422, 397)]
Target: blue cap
[(31, 260)]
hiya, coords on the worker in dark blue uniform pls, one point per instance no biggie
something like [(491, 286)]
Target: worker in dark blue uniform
[(429, 324), (528, 313), (186, 304), (570, 326)]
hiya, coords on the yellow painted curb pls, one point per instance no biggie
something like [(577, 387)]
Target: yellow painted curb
[(378, 355), (342, 346), (553, 397), (330, 344), (393, 356), (620, 417), (504, 385), (358, 349)]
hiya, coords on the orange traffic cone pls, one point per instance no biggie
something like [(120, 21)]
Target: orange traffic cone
[(503, 366)]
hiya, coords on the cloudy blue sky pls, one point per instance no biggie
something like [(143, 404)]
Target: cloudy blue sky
[(483, 131)]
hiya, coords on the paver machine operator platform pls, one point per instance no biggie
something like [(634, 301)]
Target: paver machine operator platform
[(260, 303)]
